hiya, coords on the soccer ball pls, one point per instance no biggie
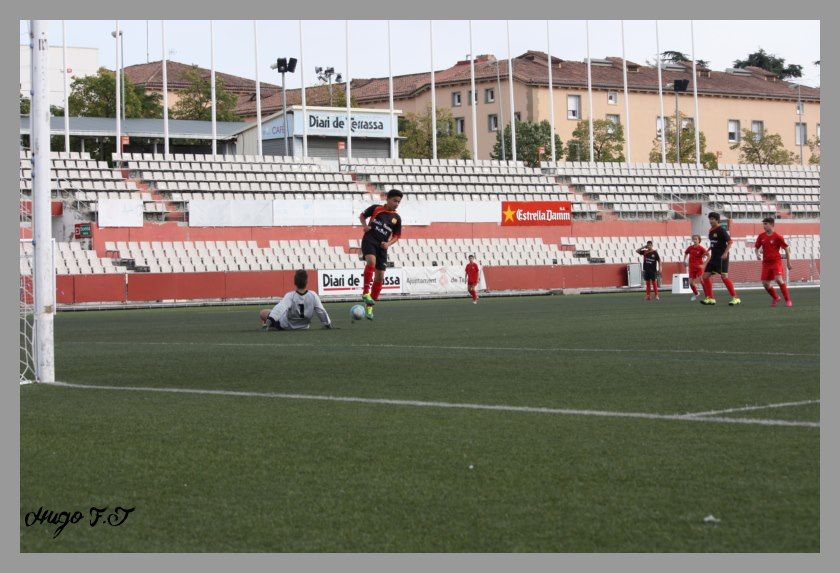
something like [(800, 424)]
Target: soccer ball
[(357, 312)]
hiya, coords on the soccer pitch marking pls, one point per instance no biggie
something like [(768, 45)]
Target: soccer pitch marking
[(752, 408), (465, 406), (433, 347)]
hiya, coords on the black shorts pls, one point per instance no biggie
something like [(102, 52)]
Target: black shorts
[(274, 324), (649, 275), (718, 266), (371, 247)]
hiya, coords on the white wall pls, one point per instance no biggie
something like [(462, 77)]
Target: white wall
[(82, 61)]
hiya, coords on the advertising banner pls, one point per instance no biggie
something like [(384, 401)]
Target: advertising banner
[(438, 280), (349, 281), (536, 213)]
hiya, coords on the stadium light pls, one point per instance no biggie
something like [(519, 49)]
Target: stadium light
[(283, 66), (326, 75)]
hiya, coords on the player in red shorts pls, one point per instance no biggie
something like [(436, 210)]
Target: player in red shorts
[(382, 227), (767, 246), (472, 278), (694, 263)]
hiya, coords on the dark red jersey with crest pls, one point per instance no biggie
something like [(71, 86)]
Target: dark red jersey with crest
[(383, 224)]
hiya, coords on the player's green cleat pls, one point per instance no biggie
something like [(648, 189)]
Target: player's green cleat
[(369, 312), (708, 301), (368, 299), (734, 301)]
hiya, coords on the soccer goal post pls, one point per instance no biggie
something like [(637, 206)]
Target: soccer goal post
[(745, 266), (37, 266)]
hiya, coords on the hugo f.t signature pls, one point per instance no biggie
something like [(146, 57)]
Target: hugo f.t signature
[(61, 519)]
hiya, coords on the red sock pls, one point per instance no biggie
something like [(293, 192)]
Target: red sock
[(694, 288), (707, 288), (771, 290), (474, 294), (368, 278), (647, 288), (655, 288), (785, 292), (377, 288), (729, 286)]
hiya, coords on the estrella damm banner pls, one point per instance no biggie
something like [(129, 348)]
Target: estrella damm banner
[(529, 213)]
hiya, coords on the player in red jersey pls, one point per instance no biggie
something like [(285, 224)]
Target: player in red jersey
[(694, 263), (767, 246), (382, 229), (472, 278)]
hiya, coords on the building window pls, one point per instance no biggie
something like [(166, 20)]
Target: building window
[(659, 125), (612, 98), (492, 122), (489, 95), (517, 116), (800, 108), (818, 135), (686, 122), (459, 125), (734, 131), (758, 128), (471, 96), (613, 118), (801, 133), (573, 106), (456, 99)]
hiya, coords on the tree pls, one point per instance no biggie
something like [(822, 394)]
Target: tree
[(674, 57), (687, 146), (763, 149), (417, 130), (530, 136), (25, 105), (771, 63), (814, 146), (608, 143), (195, 102), (94, 96)]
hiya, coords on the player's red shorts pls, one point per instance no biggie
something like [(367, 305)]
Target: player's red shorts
[(695, 272), (471, 286), (771, 270)]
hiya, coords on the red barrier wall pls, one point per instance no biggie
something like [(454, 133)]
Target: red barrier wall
[(64, 291), (99, 288), (179, 286)]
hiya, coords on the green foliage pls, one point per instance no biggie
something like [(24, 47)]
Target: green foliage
[(417, 130), (814, 146), (771, 63), (25, 105), (687, 146), (94, 96), (608, 141), (530, 136), (195, 102), (766, 149)]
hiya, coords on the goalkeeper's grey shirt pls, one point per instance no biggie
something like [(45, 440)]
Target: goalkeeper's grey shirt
[(295, 311)]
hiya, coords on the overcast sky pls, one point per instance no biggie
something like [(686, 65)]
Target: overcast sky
[(718, 41)]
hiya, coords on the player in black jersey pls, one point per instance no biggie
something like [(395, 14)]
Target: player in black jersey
[(382, 227), (650, 267), (718, 261)]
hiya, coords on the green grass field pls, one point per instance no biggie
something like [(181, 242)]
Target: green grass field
[(419, 462)]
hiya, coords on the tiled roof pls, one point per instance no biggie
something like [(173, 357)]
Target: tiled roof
[(531, 68), (151, 77)]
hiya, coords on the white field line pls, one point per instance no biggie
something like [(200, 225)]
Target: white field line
[(280, 344), (464, 406), (751, 408)]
